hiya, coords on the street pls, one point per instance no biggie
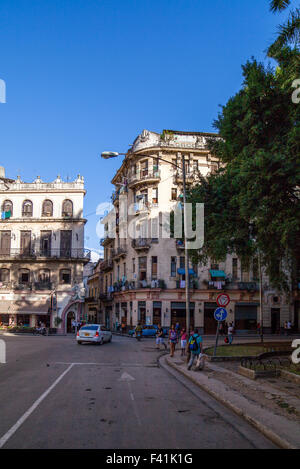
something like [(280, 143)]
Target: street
[(110, 396)]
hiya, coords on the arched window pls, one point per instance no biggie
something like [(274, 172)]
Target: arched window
[(47, 210), (7, 207), (4, 275), (67, 208), (24, 276), (27, 208), (65, 276)]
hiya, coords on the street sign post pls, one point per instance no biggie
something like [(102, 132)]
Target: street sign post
[(220, 315)]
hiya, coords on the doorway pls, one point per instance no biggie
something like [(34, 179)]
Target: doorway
[(70, 318), (275, 320), (210, 324)]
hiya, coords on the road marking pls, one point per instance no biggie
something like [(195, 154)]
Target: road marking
[(126, 377), (24, 417)]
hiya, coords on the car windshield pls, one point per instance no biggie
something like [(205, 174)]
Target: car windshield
[(89, 328)]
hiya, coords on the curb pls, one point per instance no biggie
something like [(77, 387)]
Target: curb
[(276, 439)]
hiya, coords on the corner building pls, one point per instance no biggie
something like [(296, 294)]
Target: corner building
[(143, 279)]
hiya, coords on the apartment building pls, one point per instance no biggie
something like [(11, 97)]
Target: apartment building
[(42, 252), (143, 279), (92, 312)]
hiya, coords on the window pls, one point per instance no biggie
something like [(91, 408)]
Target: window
[(174, 193), (182, 262), (67, 208), (7, 208), (27, 208), (173, 266), (47, 210), (255, 269), (155, 195), (118, 273), (144, 168), (143, 268), (124, 269), (155, 164), (195, 166), (24, 276), (154, 268), (4, 275), (133, 265), (234, 269), (245, 272), (44, 276), (65, 276), (5, 242)]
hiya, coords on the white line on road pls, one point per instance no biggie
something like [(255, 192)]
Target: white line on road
[(24, 417)]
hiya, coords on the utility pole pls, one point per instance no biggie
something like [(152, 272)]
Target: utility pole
[(260, 299), (186, 258)]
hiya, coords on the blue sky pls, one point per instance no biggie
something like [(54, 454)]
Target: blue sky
[(84, 76)]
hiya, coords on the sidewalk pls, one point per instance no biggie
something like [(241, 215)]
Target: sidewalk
[(270, 405)]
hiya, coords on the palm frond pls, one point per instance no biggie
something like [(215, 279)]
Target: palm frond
[(279, 5), (289, 32)]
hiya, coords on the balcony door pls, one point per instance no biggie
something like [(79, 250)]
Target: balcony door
[(65, 243), (45, 243), (25, 242), (5, 242)]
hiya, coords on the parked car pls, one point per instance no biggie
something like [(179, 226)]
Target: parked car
[(94, 333), (149, 331)]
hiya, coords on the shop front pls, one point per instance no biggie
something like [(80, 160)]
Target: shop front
[(178, 313), (245, 317)]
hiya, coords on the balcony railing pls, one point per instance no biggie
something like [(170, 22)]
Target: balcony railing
[(141, 243), (144, 175), (106, 265), (43, 285), (75, 253), (119, 252)]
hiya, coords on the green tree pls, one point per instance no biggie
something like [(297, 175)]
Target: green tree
[(252, 202)]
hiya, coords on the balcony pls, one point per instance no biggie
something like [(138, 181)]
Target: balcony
[(31, 254), (178, 177), (106, 265), (249, 286), (141, 244), (106, 240), (119, 252), (144, 176), (43, 285)]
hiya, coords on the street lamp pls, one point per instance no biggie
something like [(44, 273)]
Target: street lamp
[(111, 154)]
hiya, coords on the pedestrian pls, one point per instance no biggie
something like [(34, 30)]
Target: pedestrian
[(173, 339), (160, 338), (195, 346), (221, 328), (123, 326), (285, 326), (183, 340), (289, 327), (230, 333)]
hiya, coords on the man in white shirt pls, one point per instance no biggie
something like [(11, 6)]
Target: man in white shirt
[(230, 333)]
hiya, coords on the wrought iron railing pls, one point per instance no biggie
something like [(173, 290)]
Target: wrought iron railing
[(16, 253)]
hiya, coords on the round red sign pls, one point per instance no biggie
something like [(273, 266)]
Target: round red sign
[(223, 300)]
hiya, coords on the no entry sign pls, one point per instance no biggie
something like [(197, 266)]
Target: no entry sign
[(223, 300)]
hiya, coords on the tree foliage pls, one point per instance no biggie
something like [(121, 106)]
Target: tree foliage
[(252, 202)]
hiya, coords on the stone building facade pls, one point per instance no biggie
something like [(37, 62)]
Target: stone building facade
[(143, 279), (41, 252)]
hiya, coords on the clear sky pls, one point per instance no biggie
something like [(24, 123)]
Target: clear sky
[(84, 76)]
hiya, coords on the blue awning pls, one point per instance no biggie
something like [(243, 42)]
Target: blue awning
[(217, 273), (182, 272)]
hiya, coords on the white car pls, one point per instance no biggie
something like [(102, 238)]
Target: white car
[(95, 333)]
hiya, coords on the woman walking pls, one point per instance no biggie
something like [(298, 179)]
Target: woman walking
[(183, 339), (173, 340)]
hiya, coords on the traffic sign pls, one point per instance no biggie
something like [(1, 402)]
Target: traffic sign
[(223, 300), (220, 314)]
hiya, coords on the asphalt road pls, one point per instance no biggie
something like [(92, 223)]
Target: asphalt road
[(112, 396)]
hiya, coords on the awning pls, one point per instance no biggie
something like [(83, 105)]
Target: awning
[(182, 272), (217, 273)]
